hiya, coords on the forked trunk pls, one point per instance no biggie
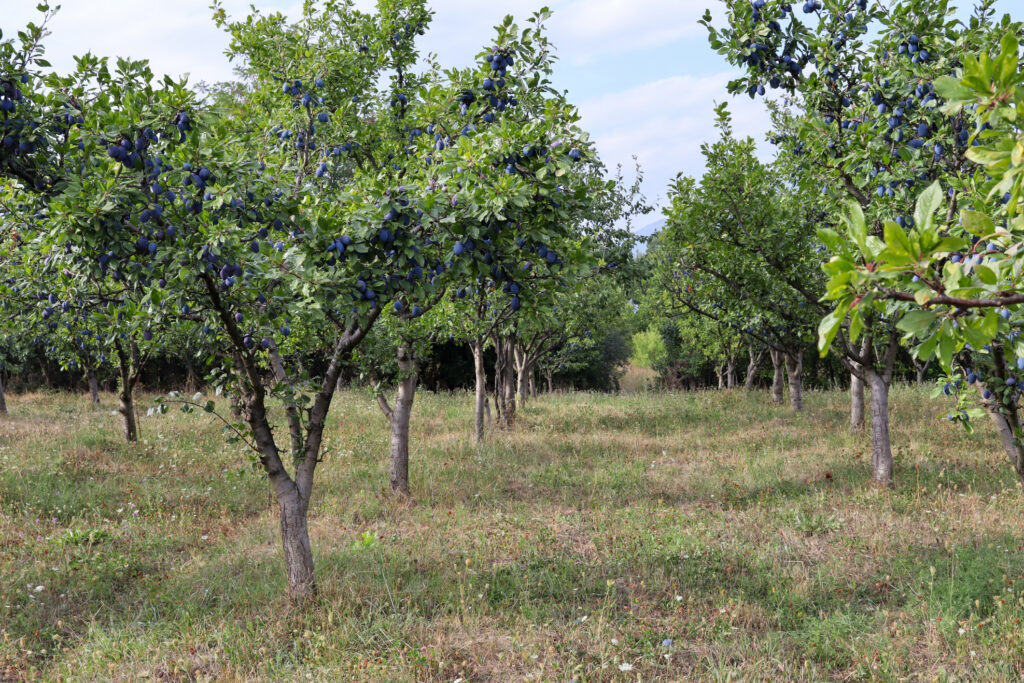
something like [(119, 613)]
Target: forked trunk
[(400, 416), (795, 372), (777, 376), (881, 447), (752, 367), (856, 403), (921, 370), (481, 406), (94, 387)]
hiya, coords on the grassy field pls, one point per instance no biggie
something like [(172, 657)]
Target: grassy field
[(707, 536)]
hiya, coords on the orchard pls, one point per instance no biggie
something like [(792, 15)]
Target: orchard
[(376, 360)]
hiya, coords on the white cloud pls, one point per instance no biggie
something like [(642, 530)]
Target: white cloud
[(586, 29), (177, 36), (665, 122)]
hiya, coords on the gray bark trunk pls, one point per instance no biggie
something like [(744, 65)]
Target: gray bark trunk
[(551, 383), (881, 447), (921, 369), (298, 553), (533, 384), (3, 396), (1006, 420), (730, 373), (752, 367), (856, 403), (94, 387), (400, 417), (795, 371), (777, 377), (1008, 427), (481, 406)]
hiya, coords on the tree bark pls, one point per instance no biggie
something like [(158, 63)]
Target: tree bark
[(777, 377), (481, 406), (400, 417), (752, 367), (795, 371), (856, 403), (550, 380), (881, 447), (1005, 418), (3, 396), (921, 369), (298, 552), (730, 372), (192, 380), (94, 387), (125, 395)]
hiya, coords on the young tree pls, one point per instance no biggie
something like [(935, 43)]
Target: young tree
[(954, 276), (873, 131), (738, 248)]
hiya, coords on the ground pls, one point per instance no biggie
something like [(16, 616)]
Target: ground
[(702, 536)]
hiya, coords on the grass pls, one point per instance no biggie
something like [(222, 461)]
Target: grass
[(702, 536)]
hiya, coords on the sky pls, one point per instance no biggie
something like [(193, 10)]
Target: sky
[(640, 71)]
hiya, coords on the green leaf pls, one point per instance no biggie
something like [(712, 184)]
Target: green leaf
[(977, 223), (830, 324), (858, 228), (985, 274), (927, 203), (916, 322)]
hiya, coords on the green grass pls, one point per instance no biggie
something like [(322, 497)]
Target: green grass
[(574, 547)]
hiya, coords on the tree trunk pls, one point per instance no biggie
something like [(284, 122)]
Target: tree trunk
[(126, 399), (795, 371), (523, 382), (720, 373), (533, 384), (192, 380), (921, 369), (881, 447), (550, 380), (481, 406), (777, 377), (298, 553), (752, 367), (3, 396), (1007, 426), (94, 387), (856, 403), (402, 413), (730, 372)]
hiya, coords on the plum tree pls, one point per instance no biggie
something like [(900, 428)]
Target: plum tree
[(953, 275), (251, 220), (737, 248), (868, 94)]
